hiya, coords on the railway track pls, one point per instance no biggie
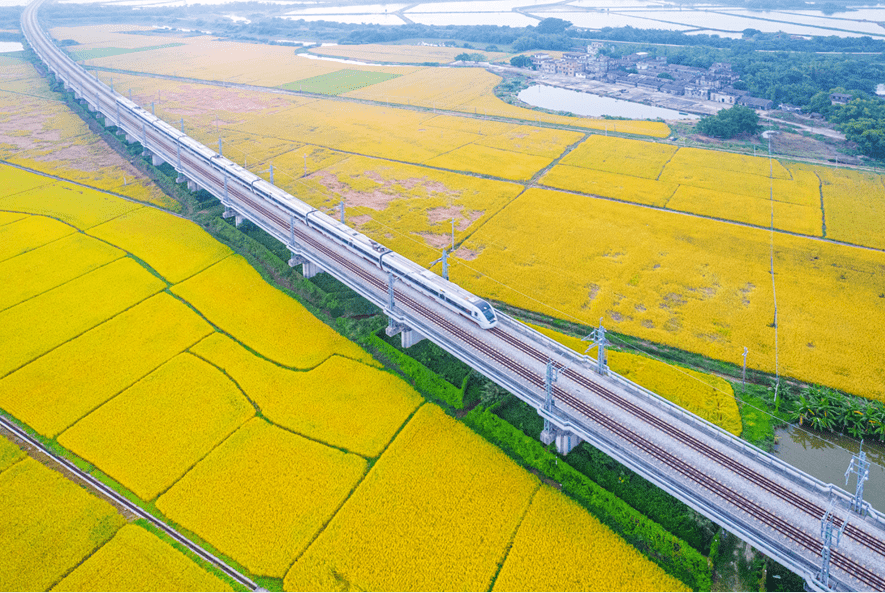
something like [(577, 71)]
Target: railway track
[(702, 480), (740, 469), (594, 404), (122, 501)]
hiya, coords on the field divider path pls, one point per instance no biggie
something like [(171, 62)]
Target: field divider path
[(309, 95), (121, 501), (79, 184), (714, 218), (532, 183)]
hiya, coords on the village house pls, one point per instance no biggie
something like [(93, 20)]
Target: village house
[(755, 103)]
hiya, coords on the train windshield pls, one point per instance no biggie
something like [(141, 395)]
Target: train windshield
[(487, 311)]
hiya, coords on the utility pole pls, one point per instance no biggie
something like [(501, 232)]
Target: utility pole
[(219, 146), (342, 211), (860, 466), (744, 372), (445, 264), (271, 173), (829, 543), (152, 108), (390, 281), (453, 233), (182, 125), (549, 379), (597, 338)]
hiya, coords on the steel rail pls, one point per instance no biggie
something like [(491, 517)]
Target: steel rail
[(476, 348), (124, 502)]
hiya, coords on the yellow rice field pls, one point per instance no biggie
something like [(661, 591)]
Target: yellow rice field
[(53, 392), (29, 233), (700, 285), (855, 206), (9, 453), (38, 131), (208, 58), (108, 34), (10, 217), (699, 158), (468, 90), (618, 155), (560, 547), (137, 560), (625, 188), (715, 184), (436, 512), (708, 396), (341, 402), (78, 206), (36, 326), (48, 525), (51, 265), (174, 247), (416, 54), (262, 495), (405, 207), (795, 218), (16, 181), (476, 158), (233, 296), (147, 437)]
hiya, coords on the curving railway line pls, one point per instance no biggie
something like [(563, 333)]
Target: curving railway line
[(769, 504)]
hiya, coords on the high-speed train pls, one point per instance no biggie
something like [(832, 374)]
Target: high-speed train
[(266, 205)]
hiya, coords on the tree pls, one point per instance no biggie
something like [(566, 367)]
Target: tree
[(465, 57), (552, 26), (490, 394), (521, 62), (729, 123)]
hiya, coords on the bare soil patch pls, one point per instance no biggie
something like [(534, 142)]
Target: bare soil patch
[(376, 199), (436, 240), (467, 254)]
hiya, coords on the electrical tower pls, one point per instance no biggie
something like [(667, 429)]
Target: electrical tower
[(445, 264), (860, 466), (830, 542), (597, 338), (549, 379)]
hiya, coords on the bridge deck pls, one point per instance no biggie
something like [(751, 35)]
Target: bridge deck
[(769, 504)]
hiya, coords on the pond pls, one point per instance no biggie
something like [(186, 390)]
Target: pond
[(551, 97), (10, 46), (826, 457)]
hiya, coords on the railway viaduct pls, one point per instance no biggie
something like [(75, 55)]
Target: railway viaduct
[(783, 512)]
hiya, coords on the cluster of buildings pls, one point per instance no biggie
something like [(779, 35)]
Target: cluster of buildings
[(652, 73)]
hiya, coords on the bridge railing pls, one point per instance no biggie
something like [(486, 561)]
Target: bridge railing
[(806, 481), (585, 363)]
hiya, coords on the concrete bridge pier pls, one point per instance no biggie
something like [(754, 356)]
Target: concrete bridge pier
[(131, 139), (191, 185), (156, 161), (408, 336), (565, 439), (181, 179), (308, 268), (231, 213)]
